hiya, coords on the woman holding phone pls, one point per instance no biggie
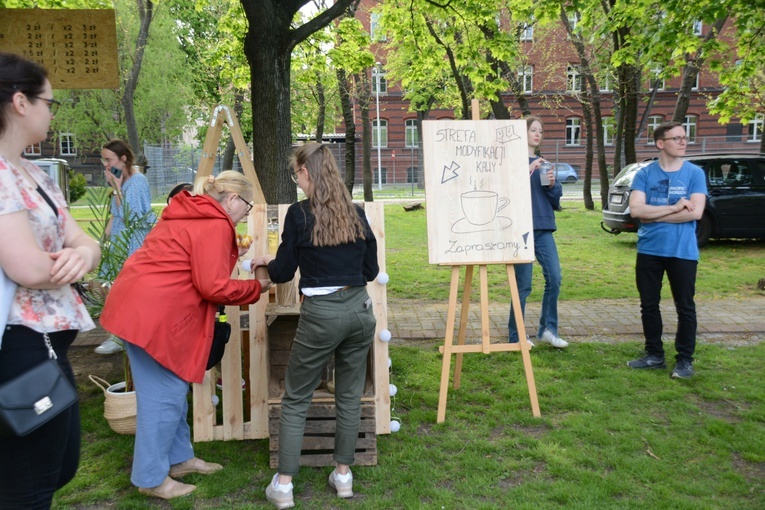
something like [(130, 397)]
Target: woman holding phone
[(131, 198)]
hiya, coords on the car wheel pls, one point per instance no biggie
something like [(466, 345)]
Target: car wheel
[(703, 230), (570, 179)]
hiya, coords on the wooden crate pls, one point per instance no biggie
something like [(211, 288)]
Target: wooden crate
[(319, 436)]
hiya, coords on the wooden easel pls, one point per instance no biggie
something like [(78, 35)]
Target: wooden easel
[(485, 347)]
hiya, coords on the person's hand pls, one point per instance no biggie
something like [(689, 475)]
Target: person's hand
[(265, 285), (243, 251), (534, 165), (684, 203), (261, 260), (70, 265), (114, 181)]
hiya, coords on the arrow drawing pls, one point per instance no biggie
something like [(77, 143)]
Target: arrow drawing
[(451, 168)]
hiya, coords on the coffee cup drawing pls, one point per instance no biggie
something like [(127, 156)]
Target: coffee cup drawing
[(481, 206)]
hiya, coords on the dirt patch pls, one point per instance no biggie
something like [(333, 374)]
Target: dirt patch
[(85, 362)]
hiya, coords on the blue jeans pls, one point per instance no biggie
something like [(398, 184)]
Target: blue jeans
[(681, 273), (546, 253), (162, 436)]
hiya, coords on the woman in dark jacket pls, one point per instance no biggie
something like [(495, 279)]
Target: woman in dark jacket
[(329, 239)]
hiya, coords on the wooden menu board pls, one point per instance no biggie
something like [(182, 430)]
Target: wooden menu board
[(477, 192), (78, 47)]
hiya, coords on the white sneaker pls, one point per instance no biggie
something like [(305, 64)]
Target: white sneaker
[(343, 484), (280, 495), (531, 344), (550, 338), (110, 346)]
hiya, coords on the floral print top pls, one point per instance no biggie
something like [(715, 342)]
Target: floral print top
[(41, 310)]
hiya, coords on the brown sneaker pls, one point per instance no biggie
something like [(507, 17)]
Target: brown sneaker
[(168, 489), (194, 465)]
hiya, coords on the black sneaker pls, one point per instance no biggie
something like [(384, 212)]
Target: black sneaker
[(683, 369), (648, 361)]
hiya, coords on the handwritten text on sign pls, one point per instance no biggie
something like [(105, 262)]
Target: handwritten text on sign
[(477, 192), (78, 47)]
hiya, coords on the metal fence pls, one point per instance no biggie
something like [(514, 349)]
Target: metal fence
[(399, 166)]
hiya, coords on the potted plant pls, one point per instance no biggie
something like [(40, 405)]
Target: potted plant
[(119, 407)]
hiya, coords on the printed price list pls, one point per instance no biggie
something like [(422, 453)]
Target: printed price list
[(78, 47)]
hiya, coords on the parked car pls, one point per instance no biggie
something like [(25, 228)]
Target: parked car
[(58, 169), (735, 197), (565, 173)]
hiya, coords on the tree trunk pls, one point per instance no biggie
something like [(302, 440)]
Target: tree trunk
[(227, 159), (320, 96), (145, 13), (346, 104), (691, 71), (268, 47), (366, 138)]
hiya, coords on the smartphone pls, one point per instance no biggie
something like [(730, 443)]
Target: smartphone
[(116, 172)]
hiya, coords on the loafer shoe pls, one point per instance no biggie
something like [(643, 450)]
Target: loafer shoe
[(343, 484), (110, 346), (168, 489), (194, 465)]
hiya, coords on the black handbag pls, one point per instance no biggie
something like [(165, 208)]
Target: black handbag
[(35, 397), (221, 334)]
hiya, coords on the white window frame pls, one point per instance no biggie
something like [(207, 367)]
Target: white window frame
[(691, 124), (655, 77), (698, 27), (383, 82), (526, 77), (609, 130), (654, 121), (527, 32), (410, 134), (573, 131), (573, 78), (383, 131), (374, 28), (696, 84), (605, 83), (755, 128), (33, 150), (67, 144)]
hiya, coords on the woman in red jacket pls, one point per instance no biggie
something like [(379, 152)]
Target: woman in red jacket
[(163, 305)]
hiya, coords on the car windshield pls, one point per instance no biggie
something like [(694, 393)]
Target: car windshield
[(624, 178)]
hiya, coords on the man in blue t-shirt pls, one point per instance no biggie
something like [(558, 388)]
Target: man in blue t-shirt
[(668, 197)]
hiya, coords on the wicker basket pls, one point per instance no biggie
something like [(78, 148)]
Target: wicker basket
[(119, 406)]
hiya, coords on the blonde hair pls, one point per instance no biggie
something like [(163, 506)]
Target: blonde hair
[(222, 185), (337, 219)]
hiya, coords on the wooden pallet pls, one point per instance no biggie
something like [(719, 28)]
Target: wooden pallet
[(319, 436)]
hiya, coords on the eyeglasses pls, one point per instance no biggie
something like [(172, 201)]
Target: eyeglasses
[(677, 139), (294, 174), (250, 205), (52, 104)]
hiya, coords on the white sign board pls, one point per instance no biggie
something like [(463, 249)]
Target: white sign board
[(477, 192)]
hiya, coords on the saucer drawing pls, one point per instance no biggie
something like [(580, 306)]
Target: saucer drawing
[(463, 226)]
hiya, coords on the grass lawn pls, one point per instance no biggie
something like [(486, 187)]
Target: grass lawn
[(608, 437)]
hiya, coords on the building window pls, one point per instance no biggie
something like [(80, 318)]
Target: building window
[(383, 175), (609, 130), (573, 131), (654, 121), (66, 144), (656, 81), (383, 82), (526, 78), (374, 28), (410, 134), (527, 32), (573, 78), (380, 134), (698, 28), (606, 83), (411, 174), (690, 124), (696, 84), (573, 19), (34, 150), (755, 128)]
